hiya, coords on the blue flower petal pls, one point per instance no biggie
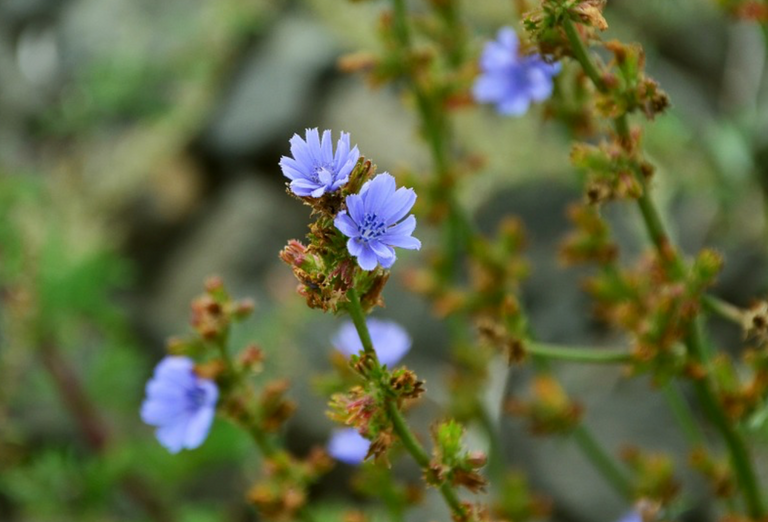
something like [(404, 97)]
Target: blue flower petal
[(509, 80), (179, 403), (348, 446)]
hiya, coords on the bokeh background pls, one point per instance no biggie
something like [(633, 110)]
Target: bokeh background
[(139, 149)]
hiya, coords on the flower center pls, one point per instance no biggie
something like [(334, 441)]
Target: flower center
[(323, 174), (371, 228), (196, 398)]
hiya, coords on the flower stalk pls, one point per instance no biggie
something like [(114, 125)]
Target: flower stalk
[(399, 424), (695, 344), (578, 354)]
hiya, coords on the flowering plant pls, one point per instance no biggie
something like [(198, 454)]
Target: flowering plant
[(633, 391)]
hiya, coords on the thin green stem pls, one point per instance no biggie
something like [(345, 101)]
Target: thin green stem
[(355, 310), (422, 459), (399, 424), (724, 309), (602, 461), (682, 413), (495, 457), (578, 354), (581, 54), (739, 454)]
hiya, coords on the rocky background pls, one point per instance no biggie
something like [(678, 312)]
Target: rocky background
[(156, 129)]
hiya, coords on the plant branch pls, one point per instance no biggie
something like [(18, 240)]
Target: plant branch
[(694, 341), (399, 423), (578, 354), (602, 461)]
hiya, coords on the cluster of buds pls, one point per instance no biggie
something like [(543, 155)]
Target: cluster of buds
[(717, 471), (507, 333), (496, 268), (364, 406), (752, 10), (282, 493), (612, 169), (755, 322), (323, 267), (741, 393), (655, 309), (549, 411), (451, 463), (654, 475), (591, 241), (545, 24), (214, 311), (627, 87)]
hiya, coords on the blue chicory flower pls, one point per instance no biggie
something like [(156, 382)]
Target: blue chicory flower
[(372, 222), (314, 169), (632, 516), (509, 80), (179, 403), (390, 340), (348, 446)]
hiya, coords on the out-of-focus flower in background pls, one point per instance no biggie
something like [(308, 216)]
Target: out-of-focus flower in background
[(180, 404), (390, 340), (510, 80), (632, 516), (372, 222), (314, 169), (348, 446)]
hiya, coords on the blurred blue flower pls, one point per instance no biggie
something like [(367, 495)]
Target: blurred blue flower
[(348, 446), (390, 340), (632, 516), (371, 222), (314, 169), (509, 80), (179, 403)]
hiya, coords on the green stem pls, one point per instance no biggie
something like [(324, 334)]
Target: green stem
[(737, 448), (495, 457), (724, 309), (588, 445), (421, 457), (578, 354), (602, 461), (395, 416), (355, 310), (682, 414), (581, 54), (694, 341)]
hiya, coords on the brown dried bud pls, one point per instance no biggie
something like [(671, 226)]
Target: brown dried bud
[(252, 358), (357, 62), (210, 370), (471, 480)]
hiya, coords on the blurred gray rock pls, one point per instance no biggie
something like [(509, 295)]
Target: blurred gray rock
[(275, 89)]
